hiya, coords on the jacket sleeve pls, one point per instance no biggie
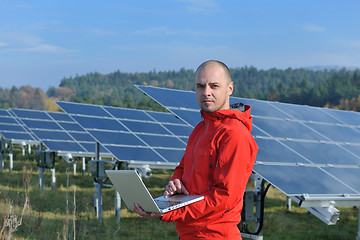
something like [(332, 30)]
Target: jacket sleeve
[(236, 156)]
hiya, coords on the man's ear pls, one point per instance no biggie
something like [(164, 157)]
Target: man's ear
[(230, 88)]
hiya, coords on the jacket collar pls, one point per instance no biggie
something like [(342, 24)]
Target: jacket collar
[(244, 117)]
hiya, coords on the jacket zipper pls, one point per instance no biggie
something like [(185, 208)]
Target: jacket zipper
[(193, 164)]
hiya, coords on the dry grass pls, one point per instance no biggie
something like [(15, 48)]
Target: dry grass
[(67, 212)]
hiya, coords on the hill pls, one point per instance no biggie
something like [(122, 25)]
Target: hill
[(330, 88)]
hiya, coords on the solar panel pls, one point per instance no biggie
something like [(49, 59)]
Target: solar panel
[(58, 132), (302, 149), (11, 129), (296, 179), (135, 136)]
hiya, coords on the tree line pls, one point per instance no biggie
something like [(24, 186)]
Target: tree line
[(323, 88)]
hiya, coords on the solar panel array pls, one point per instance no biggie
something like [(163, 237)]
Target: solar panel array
[(302, 149), (134, 136), (11, 129), (57, 131)]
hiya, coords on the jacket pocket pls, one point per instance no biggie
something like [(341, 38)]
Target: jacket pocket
[(212, 166)]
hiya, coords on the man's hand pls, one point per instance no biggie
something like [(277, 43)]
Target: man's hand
[(137, 208), (175, 186)]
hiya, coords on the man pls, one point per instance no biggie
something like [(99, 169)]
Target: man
[(217, 163)]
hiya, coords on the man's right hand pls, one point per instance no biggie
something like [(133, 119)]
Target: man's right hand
[(175, 186)]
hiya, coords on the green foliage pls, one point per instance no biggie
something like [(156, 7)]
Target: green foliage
[(299, 86), (117, 89), (23, 97)]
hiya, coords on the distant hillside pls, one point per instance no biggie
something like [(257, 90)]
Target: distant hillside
[(25, 97), (301, 86), (331, 88)]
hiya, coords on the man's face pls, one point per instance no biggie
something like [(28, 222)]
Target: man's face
[(212, 89)]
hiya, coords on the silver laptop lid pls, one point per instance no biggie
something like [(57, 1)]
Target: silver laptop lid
[(132, 189)]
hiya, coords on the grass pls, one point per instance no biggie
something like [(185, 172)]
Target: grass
[(49, 218)]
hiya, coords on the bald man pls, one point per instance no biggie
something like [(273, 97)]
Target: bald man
[(217, 163)]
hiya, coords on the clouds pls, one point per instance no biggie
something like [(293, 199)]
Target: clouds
[(43, 40), (354, 44), (312, 28), (100, 32), (201, 6), (27, 42), (156, 31), (22, 5), (46, 48)]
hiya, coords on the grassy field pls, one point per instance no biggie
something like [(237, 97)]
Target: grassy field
[(67, 211)]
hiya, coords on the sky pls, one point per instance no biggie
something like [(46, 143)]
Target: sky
[(42, 41)]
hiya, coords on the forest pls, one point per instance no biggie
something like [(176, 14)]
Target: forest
[(338, 89)]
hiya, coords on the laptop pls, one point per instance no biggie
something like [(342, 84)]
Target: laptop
[(132, 190)]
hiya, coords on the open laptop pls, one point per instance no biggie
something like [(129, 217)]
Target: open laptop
[(132, 190)]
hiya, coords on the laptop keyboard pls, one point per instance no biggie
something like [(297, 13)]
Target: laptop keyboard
[(165, 204)]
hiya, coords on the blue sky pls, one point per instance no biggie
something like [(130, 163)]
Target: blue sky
[(43, 41)]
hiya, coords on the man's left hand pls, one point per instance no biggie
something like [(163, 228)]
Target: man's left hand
[(137, 208)]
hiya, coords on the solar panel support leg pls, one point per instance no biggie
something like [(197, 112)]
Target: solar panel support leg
[(11, 161), (255, 237), (253, 198), (41, 178), (117, 206), (288, 203), (83, 166), (2, 161), (98, 200), (74, 167), (53, 177)]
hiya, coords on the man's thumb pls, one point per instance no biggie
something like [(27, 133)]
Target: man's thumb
[(184, 190)]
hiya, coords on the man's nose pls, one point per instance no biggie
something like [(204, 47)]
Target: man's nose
[(207, 91)]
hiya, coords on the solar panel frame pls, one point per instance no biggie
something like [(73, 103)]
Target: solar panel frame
[(345, 117), (57, 132), (303, 180), (139, 137), (281, 119), (11, 129)]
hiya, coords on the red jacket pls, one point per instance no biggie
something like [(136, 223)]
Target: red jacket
[(217, 163)]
